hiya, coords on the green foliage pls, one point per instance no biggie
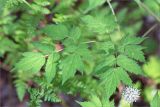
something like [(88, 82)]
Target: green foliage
[(128, 64), (135, 52), (100, 23), (44, 92), (69, 66), (94, 4), (68, 46), (156, 100), (5, 45), (56, 32), (50, 69), (20, 88), (114, 77), (152, 68), (43, 47), (31, 61), (11, 3), (96, 102)]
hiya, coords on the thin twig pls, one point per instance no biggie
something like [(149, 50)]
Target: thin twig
[(149, 30)]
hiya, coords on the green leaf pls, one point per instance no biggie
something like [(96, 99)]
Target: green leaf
[(56, 32), (31, 61), (12, 3), (106, 46), (21, 87), (75, 33), (123, 76), (43, 47), (64, 5), (94, 3), (87, 104), (135, 52), (156, 101), (50, 69), (100, 23), (107, 103), (108, 61), (128, 64), (69, 66), (111, 80), (94, 24), (132, 40), (94, 102)]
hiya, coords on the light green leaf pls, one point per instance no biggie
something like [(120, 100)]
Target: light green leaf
[(156, 101), (69, 66), (50, 69), (128, 64), (31, 61), (56, 32), (135, 52), (152, 68)]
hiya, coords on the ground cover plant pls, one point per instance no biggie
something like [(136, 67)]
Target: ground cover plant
[(93, 49)]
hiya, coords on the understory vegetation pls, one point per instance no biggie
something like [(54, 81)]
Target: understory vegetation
[(95, 49)]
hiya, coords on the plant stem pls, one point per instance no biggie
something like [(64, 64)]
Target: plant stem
[(148, 9), (149, 30), (115, 17)]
